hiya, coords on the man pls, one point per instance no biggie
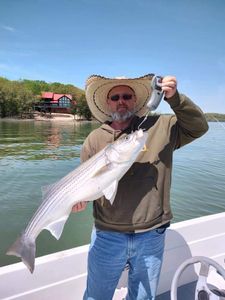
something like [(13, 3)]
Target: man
[(132, 230)]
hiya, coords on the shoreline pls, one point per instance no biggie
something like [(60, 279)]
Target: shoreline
[(65, 119), (54, 117), (60, 117)]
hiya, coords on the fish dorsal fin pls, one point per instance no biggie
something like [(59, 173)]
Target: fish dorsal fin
[(56, 228), (110, 191)]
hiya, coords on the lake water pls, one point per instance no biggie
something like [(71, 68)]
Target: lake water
[(35, 154)]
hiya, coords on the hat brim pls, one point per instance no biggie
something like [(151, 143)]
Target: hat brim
[(97, 88)]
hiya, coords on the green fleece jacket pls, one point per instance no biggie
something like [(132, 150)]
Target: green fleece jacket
[(143, 196)]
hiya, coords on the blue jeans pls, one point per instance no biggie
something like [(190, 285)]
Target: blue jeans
[(110, 252)]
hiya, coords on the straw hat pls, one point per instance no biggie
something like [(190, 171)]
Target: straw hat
[(97, 88)]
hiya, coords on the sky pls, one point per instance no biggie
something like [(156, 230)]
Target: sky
[(68, 40)]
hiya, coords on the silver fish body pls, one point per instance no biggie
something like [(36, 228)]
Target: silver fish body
[(94, 178)]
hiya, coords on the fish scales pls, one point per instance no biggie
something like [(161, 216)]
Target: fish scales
[(96, 162)]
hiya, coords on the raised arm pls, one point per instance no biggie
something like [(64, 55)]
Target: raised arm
[(189, 119)]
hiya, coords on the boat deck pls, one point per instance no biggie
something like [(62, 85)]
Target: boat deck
[(185, 292)]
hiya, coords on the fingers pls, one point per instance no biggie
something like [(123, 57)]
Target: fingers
[(79, 207), (169, 86)]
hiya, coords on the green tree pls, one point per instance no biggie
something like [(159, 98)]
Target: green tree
[(17, 97), (14, 98), (36, 86), (81, 109)]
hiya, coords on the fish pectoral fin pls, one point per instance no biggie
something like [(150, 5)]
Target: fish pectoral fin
[(110, 191), (102, 170), (56, 228)]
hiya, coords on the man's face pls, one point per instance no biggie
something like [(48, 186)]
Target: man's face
[(121, 101)]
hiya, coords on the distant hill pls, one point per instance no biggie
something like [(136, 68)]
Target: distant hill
[(215, 117), (18, 96), (38, 86)]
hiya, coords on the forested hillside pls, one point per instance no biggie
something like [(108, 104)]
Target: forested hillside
[(18, 96)]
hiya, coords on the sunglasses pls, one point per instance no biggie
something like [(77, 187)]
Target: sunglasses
[(123, 96)]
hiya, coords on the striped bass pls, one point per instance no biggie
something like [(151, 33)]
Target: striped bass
[(94, 178)]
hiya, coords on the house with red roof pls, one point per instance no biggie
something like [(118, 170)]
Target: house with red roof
[(52, 102)]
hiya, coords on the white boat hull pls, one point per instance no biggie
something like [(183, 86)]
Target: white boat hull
[(62, 275)]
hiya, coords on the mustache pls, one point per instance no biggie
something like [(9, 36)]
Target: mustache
[(122, 106)]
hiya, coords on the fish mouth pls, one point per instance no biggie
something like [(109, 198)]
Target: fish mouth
[(140, 133)]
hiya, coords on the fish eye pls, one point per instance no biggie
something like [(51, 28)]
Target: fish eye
[(127, 138)]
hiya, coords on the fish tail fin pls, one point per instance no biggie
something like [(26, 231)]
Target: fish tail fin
[(25, 248)]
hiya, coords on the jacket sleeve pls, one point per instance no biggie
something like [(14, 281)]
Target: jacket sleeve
[(190, 122)]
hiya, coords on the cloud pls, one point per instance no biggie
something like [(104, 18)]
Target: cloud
[(11, 70), (8, 28), (5, 67), (15, 71), (20, 52)]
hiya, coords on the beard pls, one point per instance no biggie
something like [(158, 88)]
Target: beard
[(121, 117)]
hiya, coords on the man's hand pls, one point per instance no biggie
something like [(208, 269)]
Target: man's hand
[(79, 206), (169, 86)]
